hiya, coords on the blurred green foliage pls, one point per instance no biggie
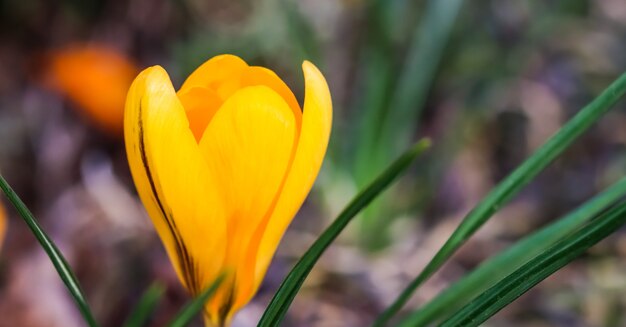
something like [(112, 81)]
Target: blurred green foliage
[(488, 81)]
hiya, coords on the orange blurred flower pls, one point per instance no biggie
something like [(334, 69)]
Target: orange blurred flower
[(96, 78)]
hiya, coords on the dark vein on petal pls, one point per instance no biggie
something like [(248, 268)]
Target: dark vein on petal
[(225, 308), (187, 264)]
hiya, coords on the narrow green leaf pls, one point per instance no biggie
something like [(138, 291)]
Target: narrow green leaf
[(60, 264), (417, 75), (290, 286), (146, 306), (539, 268), (510, 186), (399, 114), (377, 74), (499, 266), (301, 33), (392, 106), (196, 306)]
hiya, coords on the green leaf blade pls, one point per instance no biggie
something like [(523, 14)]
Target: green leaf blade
[(539, 268), (507, 261), (418, 73), (395, 97), (146, 306), (56, 257), (510, 186), (191, 310), (290, 286)]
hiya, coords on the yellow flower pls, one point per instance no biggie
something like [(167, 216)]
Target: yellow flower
[(222, 166)]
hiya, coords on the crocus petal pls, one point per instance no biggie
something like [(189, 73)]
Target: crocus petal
[(311, 148), (248, 146), (214, 71), (256, 75), (173, 179), (200, 103), (219, 78)]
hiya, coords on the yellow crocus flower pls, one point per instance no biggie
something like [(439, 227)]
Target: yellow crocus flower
[(222, 166)]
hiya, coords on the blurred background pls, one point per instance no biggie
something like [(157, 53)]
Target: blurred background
[(487, 81)]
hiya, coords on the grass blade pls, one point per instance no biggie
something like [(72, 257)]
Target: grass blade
[(290, 286), (539, 268), (396, 103), (59, 262), (194, 307), (507, 261), (417, 74), (409, 93), (302, 35), (511, 185), (146, 306)]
